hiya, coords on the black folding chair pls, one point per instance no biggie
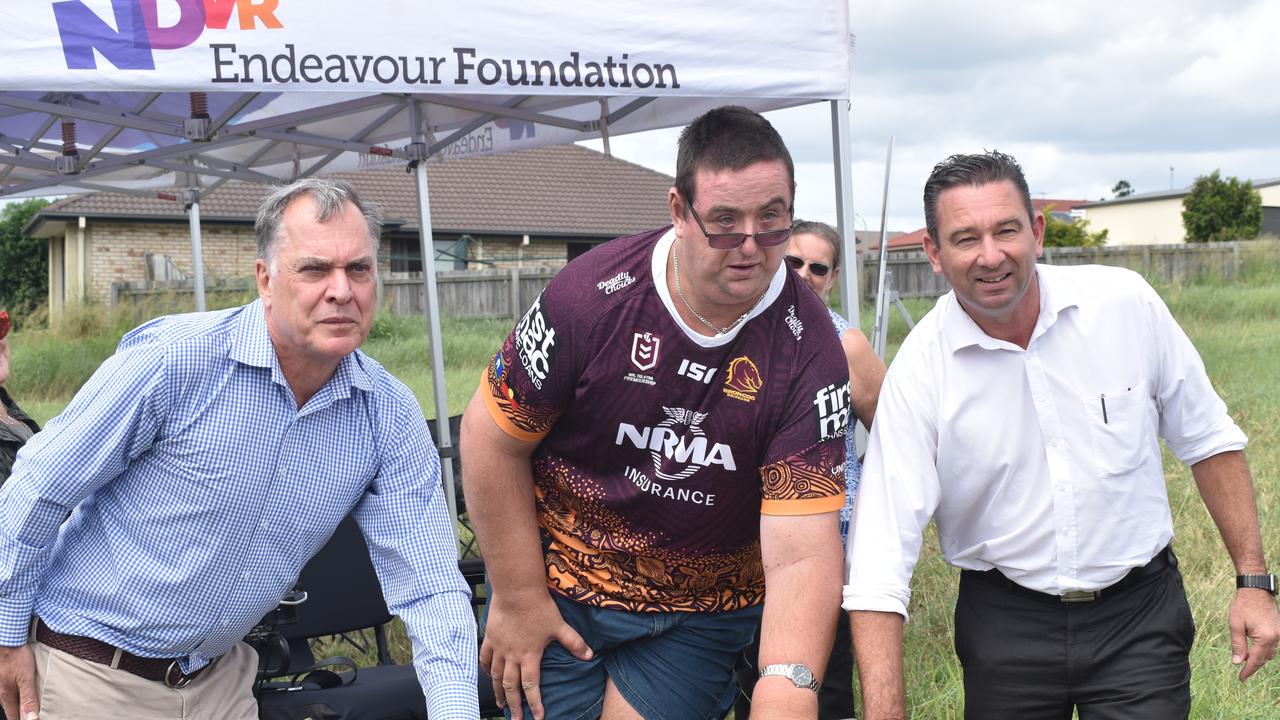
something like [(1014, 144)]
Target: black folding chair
[(342, 595), (452, 456)]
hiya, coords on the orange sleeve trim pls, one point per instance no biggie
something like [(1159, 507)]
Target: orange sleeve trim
[(808, 506), (500, 417)]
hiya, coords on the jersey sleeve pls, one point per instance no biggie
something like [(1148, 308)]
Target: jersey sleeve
[(531, 379), (803, 472)]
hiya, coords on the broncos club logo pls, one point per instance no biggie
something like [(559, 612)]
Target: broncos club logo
[(742, 379)]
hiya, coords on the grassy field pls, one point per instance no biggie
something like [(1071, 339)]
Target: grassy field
[(1236, 328)]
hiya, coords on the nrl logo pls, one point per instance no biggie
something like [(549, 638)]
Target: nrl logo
[(644, 350)]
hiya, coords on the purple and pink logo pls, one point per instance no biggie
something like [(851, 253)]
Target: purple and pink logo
[(137, 30)]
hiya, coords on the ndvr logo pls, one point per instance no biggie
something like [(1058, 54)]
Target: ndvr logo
[(137, 30)]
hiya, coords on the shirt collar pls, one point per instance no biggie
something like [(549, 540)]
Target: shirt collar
[(1056, 295), (251, 345)]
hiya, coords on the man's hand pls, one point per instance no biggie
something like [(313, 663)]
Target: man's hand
[(517, 632), (18, 683), (1255, 630)]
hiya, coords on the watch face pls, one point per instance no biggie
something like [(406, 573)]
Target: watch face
[(801, 675)]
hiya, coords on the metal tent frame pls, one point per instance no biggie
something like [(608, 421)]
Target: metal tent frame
[(116, 130)]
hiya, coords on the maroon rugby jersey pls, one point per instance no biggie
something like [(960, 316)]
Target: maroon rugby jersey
[(660, 447)]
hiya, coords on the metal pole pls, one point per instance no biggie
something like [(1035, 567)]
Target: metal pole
[(843, 161), (882, 293), (197, 252), (431, 306)]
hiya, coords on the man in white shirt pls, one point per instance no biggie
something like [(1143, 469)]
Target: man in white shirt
[(1023, 413)]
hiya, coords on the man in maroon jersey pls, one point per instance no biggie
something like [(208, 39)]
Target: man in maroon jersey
[(659, 436)]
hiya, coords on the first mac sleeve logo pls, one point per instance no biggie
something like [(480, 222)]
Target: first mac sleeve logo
[(137, 31)]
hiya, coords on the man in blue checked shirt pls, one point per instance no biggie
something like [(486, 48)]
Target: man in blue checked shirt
[(198, 471)]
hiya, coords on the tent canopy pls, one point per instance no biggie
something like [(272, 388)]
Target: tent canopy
[(96, 94), (149, 96)]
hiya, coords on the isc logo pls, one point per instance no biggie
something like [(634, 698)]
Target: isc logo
[(137, 29), (696, 372)]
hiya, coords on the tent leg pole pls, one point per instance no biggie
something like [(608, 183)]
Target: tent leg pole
[(431, 307), (197, 252), (850, 298), (843, 162)]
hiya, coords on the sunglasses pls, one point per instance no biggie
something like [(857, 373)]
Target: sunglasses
[(729, 241), (816, 269)]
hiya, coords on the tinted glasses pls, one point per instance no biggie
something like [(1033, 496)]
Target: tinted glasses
[(729, 241), (816, 269)]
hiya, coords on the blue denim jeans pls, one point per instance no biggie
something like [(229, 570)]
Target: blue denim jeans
[(667, 665)]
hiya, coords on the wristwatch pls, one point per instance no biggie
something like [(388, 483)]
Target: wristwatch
[(799, 674), (1262, 582)]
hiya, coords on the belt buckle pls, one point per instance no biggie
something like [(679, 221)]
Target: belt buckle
[(182, 680), (1079, 596)]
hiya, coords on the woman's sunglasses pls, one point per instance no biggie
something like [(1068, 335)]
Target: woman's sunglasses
[(816, 269)]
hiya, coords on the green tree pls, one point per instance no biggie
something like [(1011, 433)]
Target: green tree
[(1122, 189), (24, 262), (1218, 210), (1070, 233)]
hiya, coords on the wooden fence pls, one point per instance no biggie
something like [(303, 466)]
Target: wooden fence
[(1166, 264), (464, 293), (507, 293), (469, 293)]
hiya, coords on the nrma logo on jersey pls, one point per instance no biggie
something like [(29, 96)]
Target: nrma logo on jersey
[(137, 31), (678, 446)]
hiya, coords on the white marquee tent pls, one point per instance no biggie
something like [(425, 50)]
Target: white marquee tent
[(176, 97)]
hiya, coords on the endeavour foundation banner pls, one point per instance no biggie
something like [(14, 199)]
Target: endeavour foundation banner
[(796, 49)]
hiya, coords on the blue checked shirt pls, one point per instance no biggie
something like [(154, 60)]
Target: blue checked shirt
[(852, 468), (197, 491)]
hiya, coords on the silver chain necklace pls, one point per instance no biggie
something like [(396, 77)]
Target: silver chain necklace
[(675, 261)]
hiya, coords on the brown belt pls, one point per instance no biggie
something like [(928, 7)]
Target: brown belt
[(158, 669)]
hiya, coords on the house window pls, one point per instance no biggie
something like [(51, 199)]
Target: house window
[(406, 254), (1271, 221), (577, 248)]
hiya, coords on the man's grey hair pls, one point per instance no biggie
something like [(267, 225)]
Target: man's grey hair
[(974, 171), (330, 197), (822, 230)]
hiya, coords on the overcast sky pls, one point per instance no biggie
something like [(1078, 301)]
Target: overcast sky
[(1083, 93)]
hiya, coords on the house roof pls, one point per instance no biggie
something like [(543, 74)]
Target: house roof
[(563, 190), (898, 241), (913, 240), (1058, 205), (1166, 194)]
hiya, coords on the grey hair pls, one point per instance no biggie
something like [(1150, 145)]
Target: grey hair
[(974, 171), (329, 195), (822, 230)]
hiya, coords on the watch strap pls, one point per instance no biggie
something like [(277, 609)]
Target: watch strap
[(1266, 582)]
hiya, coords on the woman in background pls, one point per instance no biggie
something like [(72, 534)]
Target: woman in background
[(16, 427)]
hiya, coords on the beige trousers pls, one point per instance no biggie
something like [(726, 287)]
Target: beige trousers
[(75, 689)]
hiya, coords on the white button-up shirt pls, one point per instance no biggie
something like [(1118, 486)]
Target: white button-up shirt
[(1043, 463)]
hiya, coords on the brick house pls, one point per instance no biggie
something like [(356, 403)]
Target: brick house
[(536, 208)]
